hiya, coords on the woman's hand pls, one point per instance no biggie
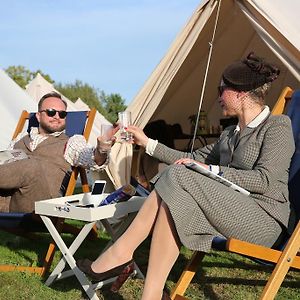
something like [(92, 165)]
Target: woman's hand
[(139, 137), (184, 161)]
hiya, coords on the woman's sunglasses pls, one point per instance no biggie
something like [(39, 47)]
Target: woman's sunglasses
[(51, 112), (221, 89)]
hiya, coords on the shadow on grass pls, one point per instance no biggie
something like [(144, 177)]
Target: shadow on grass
[(30, 251), (68, 284), (238, 271), (17, 250)]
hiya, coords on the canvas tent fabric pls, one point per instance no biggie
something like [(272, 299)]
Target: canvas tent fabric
[(99, 119), (172, 92), (13, 101), (39, 86)]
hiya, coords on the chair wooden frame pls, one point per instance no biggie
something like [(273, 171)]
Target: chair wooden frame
[(283, 259), (42, 270)]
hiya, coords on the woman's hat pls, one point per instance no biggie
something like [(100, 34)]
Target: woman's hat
[(250, 73)]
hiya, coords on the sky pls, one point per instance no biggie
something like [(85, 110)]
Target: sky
[(113, 45)]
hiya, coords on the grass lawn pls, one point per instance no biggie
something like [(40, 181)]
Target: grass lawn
[(221, 276)]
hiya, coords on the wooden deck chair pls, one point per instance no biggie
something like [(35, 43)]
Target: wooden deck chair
[(284, 256), (26, 224)]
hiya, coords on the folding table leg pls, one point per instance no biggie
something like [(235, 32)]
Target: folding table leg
[(57, 272), (85, 283)]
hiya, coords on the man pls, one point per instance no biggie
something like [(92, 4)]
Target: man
[(50, 156)]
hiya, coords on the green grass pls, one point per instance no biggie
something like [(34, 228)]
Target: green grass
[(221, 276)]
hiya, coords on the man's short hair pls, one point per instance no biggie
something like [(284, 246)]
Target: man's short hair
[(48, 95)]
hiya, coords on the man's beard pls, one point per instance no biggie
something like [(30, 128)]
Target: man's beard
[(48, 129)]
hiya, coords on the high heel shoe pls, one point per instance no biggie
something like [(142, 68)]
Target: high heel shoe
[(127, 271), (123, 272)]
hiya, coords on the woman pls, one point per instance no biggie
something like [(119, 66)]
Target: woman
[(189, 208)]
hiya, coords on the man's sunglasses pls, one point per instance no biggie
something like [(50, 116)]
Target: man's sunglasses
[(51, 112)]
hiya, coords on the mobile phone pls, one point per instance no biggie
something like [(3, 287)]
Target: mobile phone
[(98, 187)]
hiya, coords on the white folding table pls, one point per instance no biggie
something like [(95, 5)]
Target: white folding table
[(69, 207)]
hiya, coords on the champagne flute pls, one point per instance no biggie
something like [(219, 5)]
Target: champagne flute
[(124, 122)]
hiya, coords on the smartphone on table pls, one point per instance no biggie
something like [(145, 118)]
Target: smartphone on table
[(98, 187)]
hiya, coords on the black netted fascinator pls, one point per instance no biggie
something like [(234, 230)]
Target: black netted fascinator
[(250, 73)]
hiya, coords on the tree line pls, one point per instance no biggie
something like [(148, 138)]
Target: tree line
[(107, 104)]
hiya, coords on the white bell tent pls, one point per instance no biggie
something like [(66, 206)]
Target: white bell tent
[(192, 67), (13, 101)]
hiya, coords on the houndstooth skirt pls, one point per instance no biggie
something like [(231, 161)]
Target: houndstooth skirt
[(203, 208)]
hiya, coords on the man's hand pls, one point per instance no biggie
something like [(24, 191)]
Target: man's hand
[(107, 140), (104, 144)]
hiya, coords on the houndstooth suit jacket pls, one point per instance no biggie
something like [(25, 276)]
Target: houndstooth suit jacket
[(259, 162)]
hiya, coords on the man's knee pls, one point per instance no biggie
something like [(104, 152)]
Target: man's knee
[(32, 172)]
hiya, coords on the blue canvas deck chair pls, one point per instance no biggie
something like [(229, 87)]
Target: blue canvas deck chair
[(26, 224), (284, 256)]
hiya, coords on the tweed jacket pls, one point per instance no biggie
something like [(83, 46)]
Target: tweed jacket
[(259, 162), (50, 155)]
